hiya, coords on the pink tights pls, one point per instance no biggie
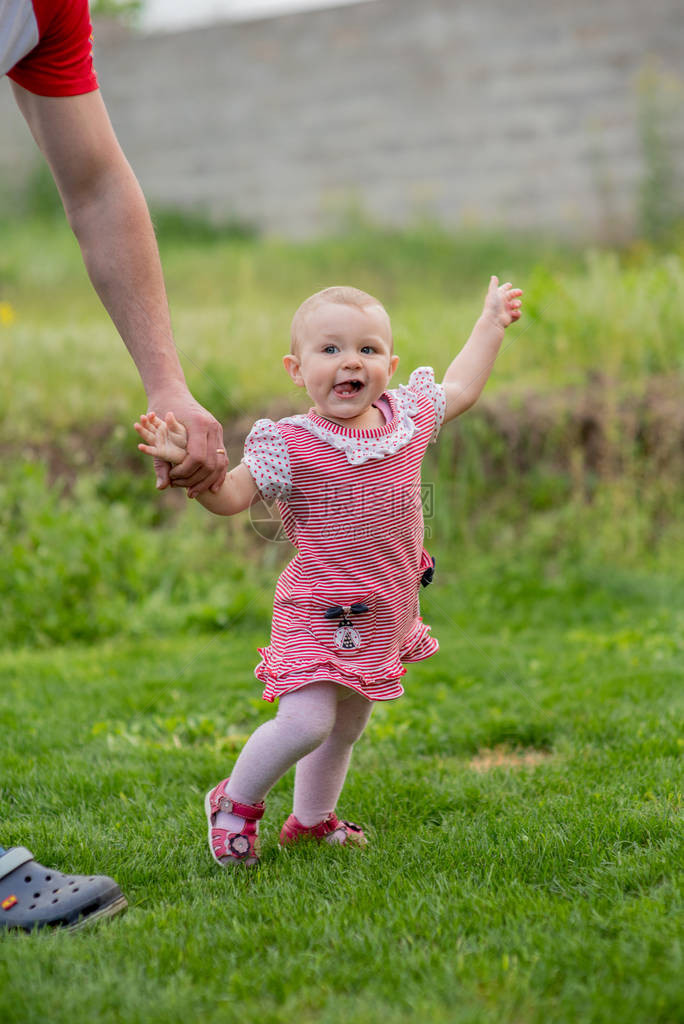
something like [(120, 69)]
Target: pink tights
[(316, 728)]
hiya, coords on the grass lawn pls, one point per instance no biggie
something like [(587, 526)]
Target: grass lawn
[(535, 883), (522, 799)]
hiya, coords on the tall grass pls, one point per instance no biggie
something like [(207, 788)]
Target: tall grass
[(616, 313), (92, 558), (86, 564)]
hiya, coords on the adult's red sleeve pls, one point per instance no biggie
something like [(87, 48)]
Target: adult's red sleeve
[(62, 62)]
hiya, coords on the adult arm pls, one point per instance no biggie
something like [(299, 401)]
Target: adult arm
[(108, 214)]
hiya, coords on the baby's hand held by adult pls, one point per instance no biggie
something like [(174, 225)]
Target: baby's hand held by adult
[(163, 439), (205, 464)]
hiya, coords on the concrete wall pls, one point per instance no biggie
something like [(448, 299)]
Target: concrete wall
[(503, 113)]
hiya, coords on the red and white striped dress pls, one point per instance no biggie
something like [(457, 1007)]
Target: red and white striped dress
[(350, 501)]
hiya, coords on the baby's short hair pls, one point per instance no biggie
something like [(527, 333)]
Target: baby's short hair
[(343, 295)]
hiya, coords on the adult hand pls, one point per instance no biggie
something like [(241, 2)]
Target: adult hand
[(206, 463)]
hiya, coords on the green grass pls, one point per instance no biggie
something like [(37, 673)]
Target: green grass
[(517, 894), (544, 892)]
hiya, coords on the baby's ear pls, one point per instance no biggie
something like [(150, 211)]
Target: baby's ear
[(394, 362), (291, 364)]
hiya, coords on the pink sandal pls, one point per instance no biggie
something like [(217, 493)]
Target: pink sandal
[(232, 847), (330, 830)]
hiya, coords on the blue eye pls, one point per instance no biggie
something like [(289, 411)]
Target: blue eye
[(330, 348), (368, 348)]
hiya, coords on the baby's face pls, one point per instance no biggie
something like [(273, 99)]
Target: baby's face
[(344, 360)]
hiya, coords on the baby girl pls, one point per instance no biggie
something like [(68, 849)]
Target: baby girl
[(346, 476)]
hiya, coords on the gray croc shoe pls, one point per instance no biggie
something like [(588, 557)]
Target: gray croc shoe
[(32, 896)]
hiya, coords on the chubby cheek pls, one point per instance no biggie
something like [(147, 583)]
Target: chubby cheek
[(320, 378)]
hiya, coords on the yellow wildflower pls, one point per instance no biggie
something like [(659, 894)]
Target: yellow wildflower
[(7, 314)]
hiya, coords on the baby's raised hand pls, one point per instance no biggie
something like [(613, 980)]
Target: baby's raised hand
[(502, 304), (165, 439)]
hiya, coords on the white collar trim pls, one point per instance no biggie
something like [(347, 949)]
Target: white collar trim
[(363, 445)]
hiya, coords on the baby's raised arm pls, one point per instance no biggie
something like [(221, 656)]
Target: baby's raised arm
[(470, 370), (167, 439)]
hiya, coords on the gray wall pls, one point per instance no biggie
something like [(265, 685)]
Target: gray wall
[(500, 113)]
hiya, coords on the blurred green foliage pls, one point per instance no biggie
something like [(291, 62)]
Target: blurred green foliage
[(78, 566), (661, 200), (573, 452), (123, 10), (614, 312), (194, 227), (41, 200)]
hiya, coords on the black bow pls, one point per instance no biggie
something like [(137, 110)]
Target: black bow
[(338, 610), (429, 574)]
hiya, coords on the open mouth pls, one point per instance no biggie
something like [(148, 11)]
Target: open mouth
[(347, 388)]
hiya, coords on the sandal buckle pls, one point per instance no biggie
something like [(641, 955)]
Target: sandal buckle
[(226, 804)]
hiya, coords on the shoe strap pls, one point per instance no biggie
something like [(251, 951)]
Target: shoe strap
[(220, 801), (251, 812), (325, 827), (13, 859)]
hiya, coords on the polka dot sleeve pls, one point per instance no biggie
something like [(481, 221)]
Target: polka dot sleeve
[(267, 458), (422, 382)]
